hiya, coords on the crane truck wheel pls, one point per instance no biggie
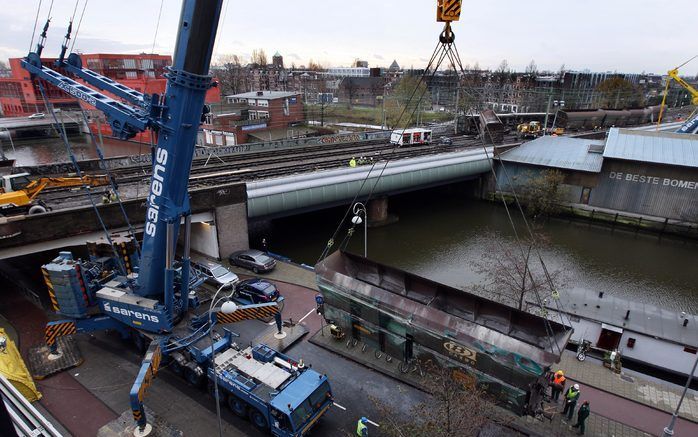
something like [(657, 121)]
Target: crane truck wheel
[(237, 406), (37, 209), (258, 420), (194, 376)]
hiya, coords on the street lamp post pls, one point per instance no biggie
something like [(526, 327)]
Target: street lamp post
[(558, 105), (359, 208), (228, 307), (669, 430)]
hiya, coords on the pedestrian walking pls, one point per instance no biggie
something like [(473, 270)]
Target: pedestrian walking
[(582, 415), (361, 428), (571, 398), (264, 245), (557, 385)]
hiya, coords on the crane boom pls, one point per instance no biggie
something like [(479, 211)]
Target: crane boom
[(691, 125), (176, 116)]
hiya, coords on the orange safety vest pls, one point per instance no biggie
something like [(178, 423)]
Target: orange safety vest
[(559, 379)]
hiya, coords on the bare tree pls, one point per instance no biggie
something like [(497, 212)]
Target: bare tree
[(513, 272), (232, 74), (457, 408), (259, 57), (503, 67), (315, 66), (532, 68)]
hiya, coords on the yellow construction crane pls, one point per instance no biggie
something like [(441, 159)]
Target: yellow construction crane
[(674, 74), (18, 193)]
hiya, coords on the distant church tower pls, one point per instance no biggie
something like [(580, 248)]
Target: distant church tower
[(277, 60)]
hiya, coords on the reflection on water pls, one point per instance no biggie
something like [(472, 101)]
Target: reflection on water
[(440, 235), (36, 151)]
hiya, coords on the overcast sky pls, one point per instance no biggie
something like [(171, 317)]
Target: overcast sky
[(599, 35)]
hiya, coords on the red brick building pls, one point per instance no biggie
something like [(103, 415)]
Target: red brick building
[(20, 96), (262, 115)]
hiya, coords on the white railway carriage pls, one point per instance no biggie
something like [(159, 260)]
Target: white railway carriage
[(415, 135)]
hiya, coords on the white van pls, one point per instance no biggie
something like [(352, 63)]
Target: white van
[(415, 135)]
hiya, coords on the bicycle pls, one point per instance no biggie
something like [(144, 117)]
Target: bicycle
[(412, 365), (379, 354)]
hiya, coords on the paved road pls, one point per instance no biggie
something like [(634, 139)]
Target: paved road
[(632, 413)]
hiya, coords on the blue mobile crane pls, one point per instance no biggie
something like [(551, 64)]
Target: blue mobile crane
[(148, 292)]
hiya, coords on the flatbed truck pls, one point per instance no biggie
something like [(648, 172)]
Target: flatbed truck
[(279, 395)]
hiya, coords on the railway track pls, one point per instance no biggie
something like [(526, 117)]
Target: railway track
[(244, 170)]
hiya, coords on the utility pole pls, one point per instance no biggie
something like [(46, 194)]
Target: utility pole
[(383, 110), (455, 118), (547, 111), (669, 430)]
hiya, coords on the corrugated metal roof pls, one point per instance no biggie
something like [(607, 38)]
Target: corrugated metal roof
[(558, 152), (657, 147)]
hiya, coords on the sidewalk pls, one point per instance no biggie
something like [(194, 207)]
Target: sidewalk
[(597, 425), (649, 393), (284, 272)]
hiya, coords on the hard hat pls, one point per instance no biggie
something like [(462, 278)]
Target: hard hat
[(364, 420), (559, 372), (576, 386)]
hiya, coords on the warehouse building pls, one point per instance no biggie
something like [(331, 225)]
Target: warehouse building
[(642, 172)]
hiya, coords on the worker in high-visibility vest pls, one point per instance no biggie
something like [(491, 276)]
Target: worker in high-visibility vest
[(352, 162), (557, 385), (361, 428), (571, 397)]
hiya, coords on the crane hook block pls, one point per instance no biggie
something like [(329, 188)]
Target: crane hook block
[(448, 10)]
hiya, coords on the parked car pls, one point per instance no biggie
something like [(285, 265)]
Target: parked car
[(216, 274), (445, 141), (252, 259), (257, 290), (37, 115)]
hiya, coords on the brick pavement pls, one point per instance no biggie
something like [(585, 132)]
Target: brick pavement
[(649, 393), (597, 425)]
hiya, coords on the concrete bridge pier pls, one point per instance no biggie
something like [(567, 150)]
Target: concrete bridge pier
[(231, 228), (377, 211)]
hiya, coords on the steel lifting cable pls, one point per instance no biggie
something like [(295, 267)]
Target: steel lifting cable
[(112, 181), (36, 21), (548, 327), (145, 90), (330, 242), (370, 194), (77, 30), (377, 179), (64, 137)]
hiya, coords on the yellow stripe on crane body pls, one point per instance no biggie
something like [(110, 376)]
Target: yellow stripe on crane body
[(250, 312), (448, 10), (56, 330)]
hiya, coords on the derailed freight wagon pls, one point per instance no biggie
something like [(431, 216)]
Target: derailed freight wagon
[(507, 351)]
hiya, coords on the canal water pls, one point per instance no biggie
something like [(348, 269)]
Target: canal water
[(42, 150), (442, 235)]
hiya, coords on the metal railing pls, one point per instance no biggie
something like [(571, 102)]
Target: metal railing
[(27, 420)]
